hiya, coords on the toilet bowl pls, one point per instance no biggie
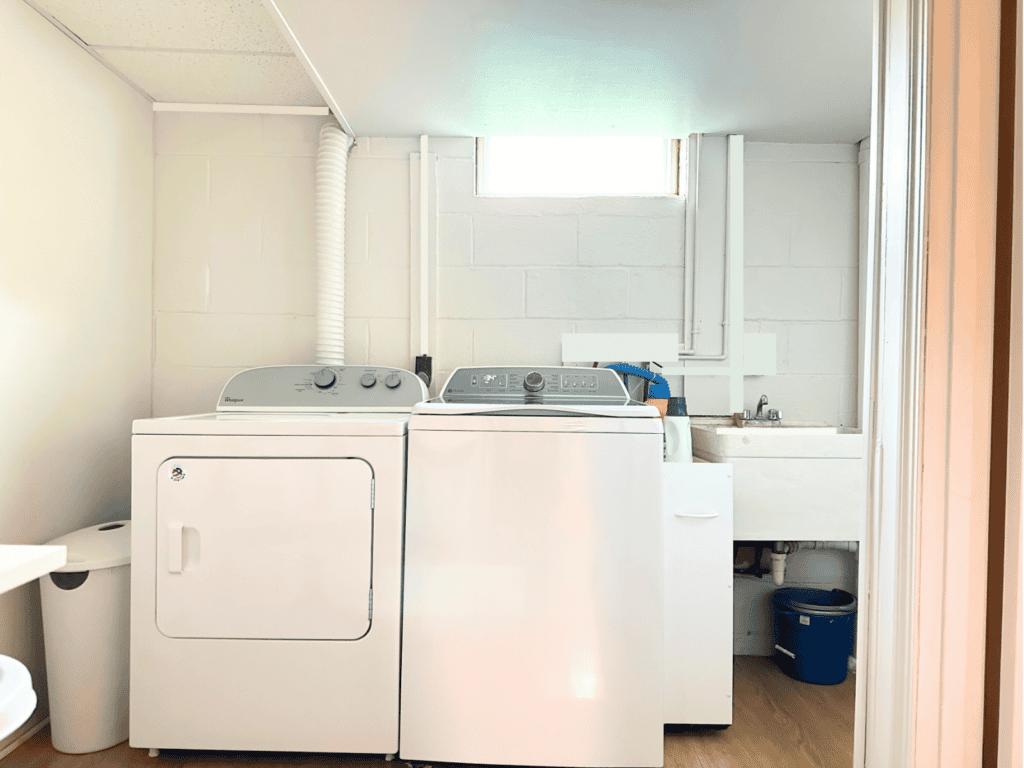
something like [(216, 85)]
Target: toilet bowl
[(17, 699)]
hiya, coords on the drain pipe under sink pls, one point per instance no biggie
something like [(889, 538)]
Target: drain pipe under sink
[(331, 172), (778, 567)]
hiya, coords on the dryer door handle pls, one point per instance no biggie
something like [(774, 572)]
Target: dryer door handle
[(174, 546)]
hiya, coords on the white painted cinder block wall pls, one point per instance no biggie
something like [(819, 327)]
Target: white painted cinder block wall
[(234, 262), (233, 251)]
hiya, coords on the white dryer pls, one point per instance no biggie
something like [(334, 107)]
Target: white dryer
[(532, 628), (267, 563)]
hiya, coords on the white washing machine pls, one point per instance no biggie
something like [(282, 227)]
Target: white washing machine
[(533, 572), (267, 563)]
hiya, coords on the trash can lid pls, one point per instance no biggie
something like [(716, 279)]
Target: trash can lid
[(818, 602), (100, 546)]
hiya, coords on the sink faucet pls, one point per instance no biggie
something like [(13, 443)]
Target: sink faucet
[(761, 404)]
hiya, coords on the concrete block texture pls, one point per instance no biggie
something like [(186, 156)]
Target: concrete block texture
[(631, 241), (257, 184), (195, 133), (527, 240), (376, 290), (260, 286), (656, 293), (235, 340), (518, 342), (825, 241), (389, 342), (184, 389), (289, 236), (357, 340), (829, 348), (388, 239), (454, 239), (377, 185), (577, 293), (766, 240), (235, 271), (454, 343), (807, 189), (469, 292), (792, 293)]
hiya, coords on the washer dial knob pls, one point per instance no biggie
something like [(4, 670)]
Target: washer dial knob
[(324, 378), (392, 380), (368, 380), (533, 382)]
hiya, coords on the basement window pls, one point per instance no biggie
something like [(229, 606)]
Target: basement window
[(512, 166)]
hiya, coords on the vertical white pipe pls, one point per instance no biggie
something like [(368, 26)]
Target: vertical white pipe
[(424, 246), (331, 173), (690, 241), (734, 256)]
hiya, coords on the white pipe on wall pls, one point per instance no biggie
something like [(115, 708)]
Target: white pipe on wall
[(424, 247), (688, 348), (734, 256), (331, 173)]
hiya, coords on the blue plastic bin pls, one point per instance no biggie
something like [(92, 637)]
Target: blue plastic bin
[(814, 633)]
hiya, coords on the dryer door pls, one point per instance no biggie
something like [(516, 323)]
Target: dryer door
[(264, 548)]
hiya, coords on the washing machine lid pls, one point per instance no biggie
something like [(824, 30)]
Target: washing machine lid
[(544, 391), (560, 399)]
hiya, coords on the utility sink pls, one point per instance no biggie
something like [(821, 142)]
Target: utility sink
[(721, 438), (793, 481)]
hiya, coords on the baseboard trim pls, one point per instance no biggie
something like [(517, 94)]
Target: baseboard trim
[(28, 734)]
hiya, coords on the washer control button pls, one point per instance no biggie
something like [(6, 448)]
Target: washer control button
[(533, 382), (368, 380), (392, 380), (324, 378)]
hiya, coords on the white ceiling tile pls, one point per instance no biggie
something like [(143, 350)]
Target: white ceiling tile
[(218, 25), (217, 78)]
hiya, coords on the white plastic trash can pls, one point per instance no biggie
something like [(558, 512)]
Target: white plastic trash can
[(85, 629)]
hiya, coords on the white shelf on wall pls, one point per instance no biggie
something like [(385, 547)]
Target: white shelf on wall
[(21, 563)]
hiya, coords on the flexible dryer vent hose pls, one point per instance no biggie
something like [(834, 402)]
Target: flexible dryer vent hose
[(331, 170)]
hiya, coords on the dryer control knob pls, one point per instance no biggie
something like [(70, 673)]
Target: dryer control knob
[(533, 382), (324, 378), (368, 380), (392, 380)]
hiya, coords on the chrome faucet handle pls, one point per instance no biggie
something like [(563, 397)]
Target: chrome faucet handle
[(774, 415), (761, 404)]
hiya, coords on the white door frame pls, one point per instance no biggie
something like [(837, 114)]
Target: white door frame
[(927, 402)]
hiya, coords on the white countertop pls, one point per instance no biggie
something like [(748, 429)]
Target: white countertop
[(21, 563)]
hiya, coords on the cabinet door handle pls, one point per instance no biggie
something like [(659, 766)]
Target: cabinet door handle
[(174, 547), (698, 513)]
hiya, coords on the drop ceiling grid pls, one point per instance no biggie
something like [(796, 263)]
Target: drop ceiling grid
[(182, 51)]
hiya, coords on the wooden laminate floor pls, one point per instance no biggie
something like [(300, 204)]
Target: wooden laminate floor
[(777, 723)]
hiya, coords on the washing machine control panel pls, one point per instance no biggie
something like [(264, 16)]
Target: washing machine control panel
[(321, 389), (523, 384)]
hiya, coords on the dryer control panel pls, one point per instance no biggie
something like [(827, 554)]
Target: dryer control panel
[(522, 384), (322, 389)]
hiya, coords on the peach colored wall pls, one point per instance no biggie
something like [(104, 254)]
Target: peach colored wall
[(76, 213), (957, 376)]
